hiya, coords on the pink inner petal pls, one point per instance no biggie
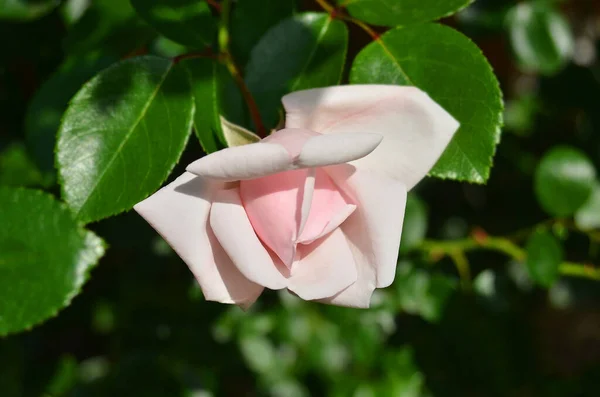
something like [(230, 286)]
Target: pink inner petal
[(274, 206), (328, 210)]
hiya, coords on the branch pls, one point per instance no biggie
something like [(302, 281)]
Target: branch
[(235, 70)]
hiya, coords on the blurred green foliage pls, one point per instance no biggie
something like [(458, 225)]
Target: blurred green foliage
[(501, 299)]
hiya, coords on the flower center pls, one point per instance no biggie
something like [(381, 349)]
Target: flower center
[(294, 207)]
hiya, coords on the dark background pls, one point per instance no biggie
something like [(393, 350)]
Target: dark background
[(142, 328)]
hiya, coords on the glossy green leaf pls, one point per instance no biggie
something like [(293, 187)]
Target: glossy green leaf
[(109, 26), (587, 216), (25, 10), (544, 256), (122, 135), (204, 80), (51, 100), (188, 22), (17, 169), (415, 223), (305, 51), (402, 12), (540, 37), (454, 72), (251, 19), (564, 180), (45, 258)]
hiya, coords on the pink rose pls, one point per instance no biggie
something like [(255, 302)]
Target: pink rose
[(316, 208)]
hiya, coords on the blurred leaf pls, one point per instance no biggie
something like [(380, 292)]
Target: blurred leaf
[(45, 258), (64, 378), (421, 293), (454, 72), (122, 135), (73, 10), (188, 22), (25, 10), (108, 26), (251, 19), (540, 36), (402, 12), (142, 374), (544, 256), (403, 377), (587, 216), (168, 48), (415, 223), (17, 169), (301, 52), (50, 101), (259, 353), (520, 113), (564, 180)]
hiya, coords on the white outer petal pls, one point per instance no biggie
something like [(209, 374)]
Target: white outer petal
[(179, 213), (378, 219), (415, 129), (325, 268), (243, 162), (333, 149), (284, 150)]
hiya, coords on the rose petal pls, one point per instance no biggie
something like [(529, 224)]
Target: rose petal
[(325, 268), (284, 150), (179, 213), (357, 295), (274, 206), (415, 129), (243, 162), (377, 222), (232, 228), (333, 149), (327, 211)]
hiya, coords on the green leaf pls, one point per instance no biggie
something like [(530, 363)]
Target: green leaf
[(415, 223), (51, 100), (422, 293), (215, 97), (564, 180), (45, 258), (122, 135), (251, 19), (544, 256), (540, 37), (188, 22), (72, 10), (108, 26), (402, 12), (454, 72), (301, 52), (204, 78), (25, 10), (17, 169), (587, 216)]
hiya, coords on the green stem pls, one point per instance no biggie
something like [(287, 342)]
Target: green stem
[(458, 249)]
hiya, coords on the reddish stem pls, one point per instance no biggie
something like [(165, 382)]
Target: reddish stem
[(216, 5)]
